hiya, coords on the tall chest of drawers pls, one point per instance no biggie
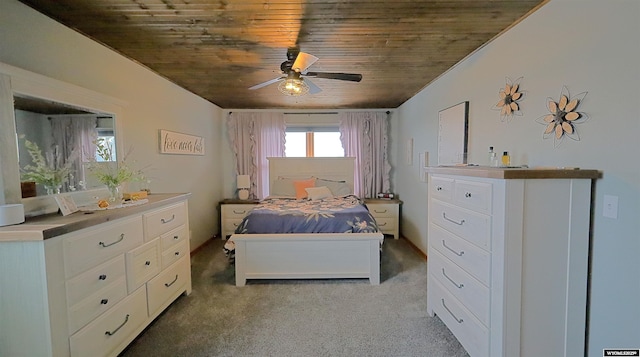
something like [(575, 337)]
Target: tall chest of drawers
[(89, 286), (507, 258)]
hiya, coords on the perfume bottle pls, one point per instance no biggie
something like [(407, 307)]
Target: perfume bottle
[(493, 158), (506, 159)]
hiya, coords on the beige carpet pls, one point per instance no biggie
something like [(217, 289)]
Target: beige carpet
[(343, 317)]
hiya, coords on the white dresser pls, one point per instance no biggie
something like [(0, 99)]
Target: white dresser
[(508, 258), (88, 284)]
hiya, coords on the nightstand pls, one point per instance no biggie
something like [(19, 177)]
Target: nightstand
[(387, 214), (232, 211)]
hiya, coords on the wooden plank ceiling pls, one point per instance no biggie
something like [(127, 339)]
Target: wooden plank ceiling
[(217, 49)]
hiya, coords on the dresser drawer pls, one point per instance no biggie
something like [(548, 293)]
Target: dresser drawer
[(95, 279), (177, 235), (386, 224), (474, 260), (103, 335), (230, 225), (92, 306), (381, 210), (173, 254), (168, 285), (89, 247), (441, 188), (164, 220), (469, 291), (231, 211), (472, 226), (473, 195), (471, 333), (143, 263)]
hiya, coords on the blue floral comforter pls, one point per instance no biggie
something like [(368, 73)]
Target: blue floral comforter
[(331, 215)]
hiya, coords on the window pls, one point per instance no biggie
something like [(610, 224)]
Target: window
[(109, 140), (313, 142)]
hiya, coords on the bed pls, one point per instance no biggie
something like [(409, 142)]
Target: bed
[(317, 255)]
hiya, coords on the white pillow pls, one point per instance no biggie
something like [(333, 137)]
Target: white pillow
[(318, 193), (338, 188)]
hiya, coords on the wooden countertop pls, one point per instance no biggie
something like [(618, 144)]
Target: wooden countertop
[(53, 225), (516, 172)]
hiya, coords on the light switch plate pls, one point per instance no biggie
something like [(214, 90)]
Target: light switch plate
[(610, 206)]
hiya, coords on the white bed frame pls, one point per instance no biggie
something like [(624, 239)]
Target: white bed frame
[(309, 255)]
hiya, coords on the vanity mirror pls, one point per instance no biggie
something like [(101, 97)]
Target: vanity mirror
[(33, 107)]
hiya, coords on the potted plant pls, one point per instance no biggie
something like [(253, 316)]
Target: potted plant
[(51, 172), (111, 173)]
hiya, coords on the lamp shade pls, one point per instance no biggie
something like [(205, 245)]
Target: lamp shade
[(243, 181)]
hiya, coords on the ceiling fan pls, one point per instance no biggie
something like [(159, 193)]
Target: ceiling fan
[(294, 79)]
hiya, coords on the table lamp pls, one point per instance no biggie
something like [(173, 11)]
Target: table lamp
[(244, 185)]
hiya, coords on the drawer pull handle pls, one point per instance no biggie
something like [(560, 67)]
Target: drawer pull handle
[(104, 301), (177, 253), (173, 216), (239, 212), (444, 215), (467, 195), (111, 333), (382, 224), (383, 211), (439, 188), (454, 316), (171, 283), (102, 277), (104, 245), (176, 237), (459, 286), (147, 263), (444, 244)]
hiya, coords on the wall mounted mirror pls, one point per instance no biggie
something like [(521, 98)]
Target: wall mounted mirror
[(32, 107), (65, 135)]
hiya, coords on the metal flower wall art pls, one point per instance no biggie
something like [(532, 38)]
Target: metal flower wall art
[(510, 95), (563, 117)]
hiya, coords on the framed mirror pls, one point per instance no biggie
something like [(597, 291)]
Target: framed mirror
[(453, 134), (33, 107), (65, 136)]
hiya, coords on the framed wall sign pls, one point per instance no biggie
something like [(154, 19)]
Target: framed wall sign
[(172, 142), (453, 131)]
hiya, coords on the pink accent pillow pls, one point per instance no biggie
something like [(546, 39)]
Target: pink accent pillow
[(301, 185)]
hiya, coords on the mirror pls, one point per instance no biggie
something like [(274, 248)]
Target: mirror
[(17, 84), (65, 136)]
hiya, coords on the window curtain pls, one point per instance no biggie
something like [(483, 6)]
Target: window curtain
[(254, 137), (364, 135)]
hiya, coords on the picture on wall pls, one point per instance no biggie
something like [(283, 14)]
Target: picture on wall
[(172, 142), (453, 131)]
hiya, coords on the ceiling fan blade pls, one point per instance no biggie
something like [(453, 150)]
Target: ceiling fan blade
[(264, 84), (303, 61), (313, 88), (353, 77)]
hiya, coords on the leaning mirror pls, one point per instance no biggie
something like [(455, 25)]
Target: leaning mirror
[(55, 141)]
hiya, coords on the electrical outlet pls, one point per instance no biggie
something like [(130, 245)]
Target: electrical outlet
[(610, 206)]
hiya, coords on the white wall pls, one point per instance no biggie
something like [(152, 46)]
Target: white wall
[(588, 46), (38, 44)]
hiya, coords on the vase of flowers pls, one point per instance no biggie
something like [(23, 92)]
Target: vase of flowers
[(111, 173), (49, 170)]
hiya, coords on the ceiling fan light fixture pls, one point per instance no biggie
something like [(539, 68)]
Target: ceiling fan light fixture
[(293, 87)]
